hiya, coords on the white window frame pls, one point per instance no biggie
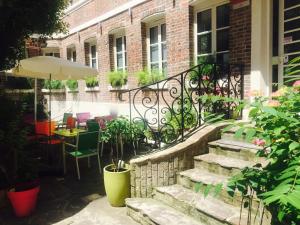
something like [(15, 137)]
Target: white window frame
[(51, 51), (90, 54), (158, 23), (72, 54), (123, 52), (212, 5)]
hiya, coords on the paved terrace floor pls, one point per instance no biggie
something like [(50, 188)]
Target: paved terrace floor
[(66, 201)]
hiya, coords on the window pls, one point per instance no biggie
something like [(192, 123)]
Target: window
[(120, 53), (71, 54), (212, 35), (55, 54), (157, 48), (93, 56)]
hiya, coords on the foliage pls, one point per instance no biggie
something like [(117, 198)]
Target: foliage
[(18, 83), (14, 160), (117, 78), (120, 131), (54, 84), (204, 70), (20, 19), (91, 82), (292, 71), (275, 125), (72, 84), (145, 77)]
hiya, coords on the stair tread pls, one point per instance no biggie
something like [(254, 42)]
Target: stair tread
[(199, 175), (208, 205), (160, 213), (227, 162), (235, 145)]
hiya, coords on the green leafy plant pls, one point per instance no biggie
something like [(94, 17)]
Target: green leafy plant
[(117, 78), (72, 84), (145, 77), (91, 82), (204, 71), (54, 84), (275, 125)]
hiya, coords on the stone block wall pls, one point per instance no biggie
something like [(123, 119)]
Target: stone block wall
[(160, 168)]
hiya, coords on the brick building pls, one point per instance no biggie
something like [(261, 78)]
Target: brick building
[(172, 35)]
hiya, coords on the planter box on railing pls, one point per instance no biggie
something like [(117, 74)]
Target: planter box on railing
[(72, 91), (124, 88), (57, 91), (92, 89)]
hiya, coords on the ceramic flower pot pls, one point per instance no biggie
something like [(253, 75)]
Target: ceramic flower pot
[(117, 185)]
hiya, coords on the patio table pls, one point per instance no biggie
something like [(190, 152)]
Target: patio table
[(66, 133)]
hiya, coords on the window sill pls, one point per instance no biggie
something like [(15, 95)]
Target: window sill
[(92, 89), (72, 91), (124, 88)]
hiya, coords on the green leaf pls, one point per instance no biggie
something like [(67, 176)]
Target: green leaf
[(206, 190), (269, 110), (198, 186), (218, 189), (294, 145), (281, 215), (250, 134), (239, 132)]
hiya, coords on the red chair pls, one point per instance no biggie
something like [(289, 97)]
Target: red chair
[(71, 122), (82, 118)]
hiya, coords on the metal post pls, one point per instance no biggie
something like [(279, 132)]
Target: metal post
[(35, 100), (158, 118), (182, 105)]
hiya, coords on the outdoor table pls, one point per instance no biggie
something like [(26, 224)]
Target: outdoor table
[(66, 133)]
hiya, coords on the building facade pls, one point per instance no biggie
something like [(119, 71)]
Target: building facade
[(172, 35)]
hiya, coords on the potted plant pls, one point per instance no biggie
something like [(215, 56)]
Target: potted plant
[(117, 80), (146, 78), (92, 84), (117, 174), (72, 85), (16, 164), (56, 86)]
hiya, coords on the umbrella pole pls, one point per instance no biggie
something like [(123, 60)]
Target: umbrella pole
[(50, 109), (35, 100)]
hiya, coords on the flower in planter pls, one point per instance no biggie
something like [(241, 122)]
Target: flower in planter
[(54, 84), (117, 78), (91, 82), (146, 78)]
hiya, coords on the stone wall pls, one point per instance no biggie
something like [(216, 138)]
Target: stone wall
[(160, 168)]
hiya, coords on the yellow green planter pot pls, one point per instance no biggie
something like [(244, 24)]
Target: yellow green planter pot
[(117, 185)]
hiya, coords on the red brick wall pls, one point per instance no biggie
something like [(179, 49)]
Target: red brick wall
[(240, 40)]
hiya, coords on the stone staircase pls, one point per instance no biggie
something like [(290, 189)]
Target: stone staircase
[(180, 204)]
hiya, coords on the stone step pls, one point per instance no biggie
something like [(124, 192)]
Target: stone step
[(219, 164), (234, 149), (190, 178), (149, 211), (230, 136), (207, 210)]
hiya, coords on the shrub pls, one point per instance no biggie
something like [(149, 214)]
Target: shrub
[(91, 82), (117, 78), (54, 84), (72, 84), (145, 77)]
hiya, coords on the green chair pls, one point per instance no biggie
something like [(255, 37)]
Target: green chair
[(86, 146), (92, 125)]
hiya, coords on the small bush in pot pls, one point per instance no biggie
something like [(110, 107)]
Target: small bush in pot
[(117, 78), (72, 84), (16, 163), (91, 82), (54, 84), (145, 77)]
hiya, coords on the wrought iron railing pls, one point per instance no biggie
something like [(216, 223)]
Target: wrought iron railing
[(170, 110)]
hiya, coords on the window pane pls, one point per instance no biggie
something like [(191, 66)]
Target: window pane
[(93, 51), (222, 40), (119, 44), (94, 63), (204, 43), (119, 60), (164, 68), (125, 43), (125, 59), (204, 21), (153, 35), (292, 13), (154, 53), (56, 55), (290, 3), (49, 54), (163, 32), (223, 58), (154, 67), (164, 51), (74, 56), (293, 24), (223, 16)]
